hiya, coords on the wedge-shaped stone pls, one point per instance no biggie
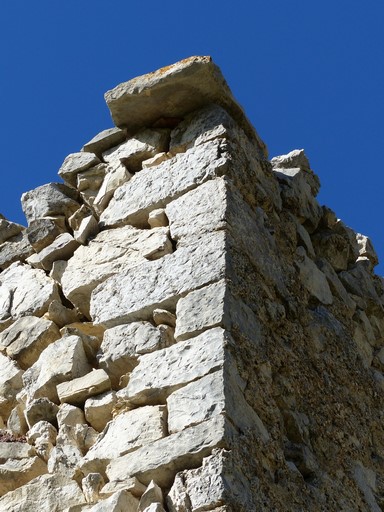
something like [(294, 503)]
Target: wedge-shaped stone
[(78, 390), (145, 144), (217, 393), (98, 409), (157, 284), (25, 291), (17, 472), (104, 140), (15, 450), (40, 409), (62, 248), (163, 371), (8, 229), (118, 502), (14, 249), (155, 187), (70, 415), (43, 494), (117, 175), (130, 484), (162, 459), (109, 253), (26, 338), (153, 495), (75, 163), (42, 232), (10, 384), (173, 92), (125, 433), (53, 199), (122, 345), (61, 361)]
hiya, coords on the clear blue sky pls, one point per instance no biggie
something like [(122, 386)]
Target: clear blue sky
[(309, 75)]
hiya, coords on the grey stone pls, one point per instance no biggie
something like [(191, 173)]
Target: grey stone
[(9, 229), (15, 450), (14, 249), (40, 409), (75, 163), (10, 384), (14, 473), (42, 232), (104, 140), (62, 248)]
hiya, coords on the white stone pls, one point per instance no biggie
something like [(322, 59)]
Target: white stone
[(131, 484), (107, 254), (75, 163), (122, 345), (104, 140), (156, 160), (162, 316), (162, 459), (153, 495), (91, 485), (51, 200), (10, 384), (98, 409), (136, 293), (26, 338), (15, 473), (153, 188), (62, 248), (127, 432), (40, 409), (88, 228), (158, 218), (163, 371), (116, 175), (15, 450), (43, 437), (121, 501), (31, 291), (70, 415), (61, 361), (76, 391)]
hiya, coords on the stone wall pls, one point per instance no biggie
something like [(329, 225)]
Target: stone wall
[(183, 327)]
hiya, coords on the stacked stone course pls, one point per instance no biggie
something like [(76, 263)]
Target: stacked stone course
[(183, 327)]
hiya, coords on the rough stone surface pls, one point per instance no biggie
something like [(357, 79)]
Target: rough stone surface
[(10, 384), (78, 390), (15, 473), (98, 410), (118, 502), (53, 199), (75, 163), (104, 140)]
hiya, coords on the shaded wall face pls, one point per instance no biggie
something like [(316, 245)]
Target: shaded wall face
[(194, 305)]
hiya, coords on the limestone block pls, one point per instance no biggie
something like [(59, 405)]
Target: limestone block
[(116, 175), (90, 181), (61, 361), (219, 480), (47, 491), (10, 384), (53, 199), (134, 294), (9, 229), (75, 163), (15, 473), (88, 228), (61, 315), (43, 437), (119, 501), (157, 218), (366, 248), (98, 410), (162, 316), (296, 158), (62, 248), (91, 485), (15, 450), (162, 459), (163, 371), (153, 188), (109, 253), (217, 393), (206, 124), (40, 409), (153, 495), (131, 484), (16, 422), (57, 271), (122, 345), (173, 92), (312, 278), (70, 415), (145, 144), (104, 140), (156, 160), (76, 391), (42, 232), (26, 338), (30, 289), (127, 432), (14, 249)]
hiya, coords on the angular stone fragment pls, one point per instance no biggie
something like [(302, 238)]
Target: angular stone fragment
[(42, 232), (117, 175), (152, 495), (53, 199), (157, 218), (78, 390), (61, 361), (40, 409), (107, 254), (46, 491), (26, 338), (104, 140), (16, 422), (43, 437), (15, 450), (162, 459), (62, 248), (332, 247), (118, 502), (84, 224), (70, 415), (61, 315), (98, 409), (125, 433), (14, 249), (173, 92), (10, 384), (155, 187), (145, 144), (75, 163), (136, 293), (15, 473), (90, 181), (9, 229), (156, 160), (312, 278), (161, 372), (296, 158), (91, 486), (123, 344), (131, 484)]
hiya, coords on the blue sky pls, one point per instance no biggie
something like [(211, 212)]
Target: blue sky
[(308, 74)]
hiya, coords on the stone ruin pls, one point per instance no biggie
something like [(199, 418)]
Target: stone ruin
[(183, 327)]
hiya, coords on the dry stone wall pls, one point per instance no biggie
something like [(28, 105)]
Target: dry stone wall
[(183, 327)]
